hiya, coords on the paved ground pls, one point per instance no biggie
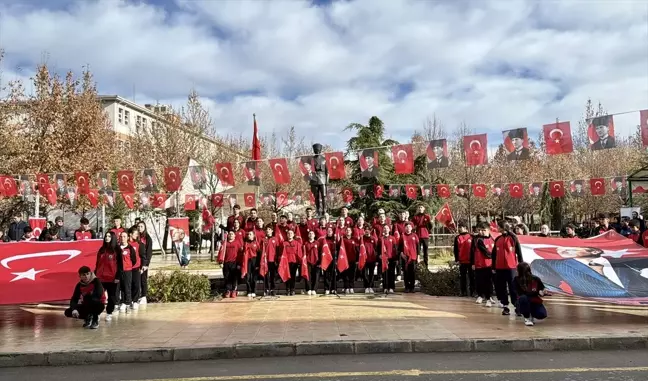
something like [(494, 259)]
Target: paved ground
[(521, 366), (310, 319)]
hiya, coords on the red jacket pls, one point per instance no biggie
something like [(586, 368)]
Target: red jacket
[(409, 244), (320, 231), (387, 247), (399, 226), (260, 235), (421, 223), (138, 260), (351, 247), (311, 225), (251, 249), (109, 265), (462, 246), (311, 251), (348, 221), (250, 224), (370, 247), (128, 257), (239, 236), (117, 231), (481, 252), (292, 250), (270, 245), (232, 250), (506, 252), (231, 219)]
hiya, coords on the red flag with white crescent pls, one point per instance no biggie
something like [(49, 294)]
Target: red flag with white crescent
[(280, 170), (335, 164), (250, 200), (158, 200), (516, 190), (304, 268), (362, 256), (411, 191), (9, 187), (444, 216), (343, 261), (263, 265), (129, 199), (208, 220), (282, 199), (42, 179), (217, 200), (479, 190), (443, 190), (597, 186), (37, 225), (284, 268), (50, 193), (403, 156), (476, 149), (384, 261), (244, 268), (558, 138), (225, 174), (557, 189), (93, 197), (347, 195), (378, 191), (172, 179), (256, 143), (327, 257), (221, 251), (82, 182), (190, 202), (126, 181)]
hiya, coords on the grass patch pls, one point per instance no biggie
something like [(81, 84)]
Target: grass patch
[(193, 265), (440, 257)]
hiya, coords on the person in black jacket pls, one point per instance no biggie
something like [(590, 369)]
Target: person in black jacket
[(88, 299), (17, 228), (146, 240), (530, 289)]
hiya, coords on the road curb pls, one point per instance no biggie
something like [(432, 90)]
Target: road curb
[(98, 356)]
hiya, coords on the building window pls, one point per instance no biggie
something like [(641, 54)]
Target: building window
[(144, 123), (138, 123), (120, 117), (126, 117)]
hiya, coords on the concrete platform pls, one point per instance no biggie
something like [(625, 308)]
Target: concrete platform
[(307, 325)]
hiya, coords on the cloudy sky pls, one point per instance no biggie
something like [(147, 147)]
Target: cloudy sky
[(319, 65)]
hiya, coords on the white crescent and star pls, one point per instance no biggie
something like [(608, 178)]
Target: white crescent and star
[(225, 172), (560, 133), (557, 186), (31, 273), (516, 188), (398, 155), (479, 146), (597, 184), (125, 179), (280, 167), (337, 161)]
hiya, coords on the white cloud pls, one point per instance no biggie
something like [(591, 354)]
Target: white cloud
[(494, 64)]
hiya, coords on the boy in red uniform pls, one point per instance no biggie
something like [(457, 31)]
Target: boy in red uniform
[(140, 256), (235, 217), (387, 250), (348, 221), (231, 257), (351, 246), (292, 249), (481, 261), (409, 249), (506, 254), (88, 299), (251, 221), (259, 231), (84, 231), (128, 258), (311, 253), (108, 270), (369, 242), (310, 223), (330, 278), (423, 224), (251, 249), (320, 230), (117, 228), (461, 248), (635, 232), (270, 246), (239, 233)]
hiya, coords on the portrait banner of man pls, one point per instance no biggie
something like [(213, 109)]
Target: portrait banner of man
[(619, 188), (61, 185), (461, 191), (497, 190), (437, 154), (427, 191), (362, 191), (252, 173), (267, 199), (394, 191), (306, 164), (577, 188), (368, 163), (516, 143), (298, 198), (149, 181), (103, 182), (601, 133), (535, 189), (145, 200), (26, 186), (198, 177)]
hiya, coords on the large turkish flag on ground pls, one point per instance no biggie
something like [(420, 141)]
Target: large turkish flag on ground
[(35, 272)]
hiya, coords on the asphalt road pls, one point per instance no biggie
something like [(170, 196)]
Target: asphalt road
[(520, 366)]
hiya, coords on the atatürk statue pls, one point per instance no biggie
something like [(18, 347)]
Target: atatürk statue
[(320, 179)]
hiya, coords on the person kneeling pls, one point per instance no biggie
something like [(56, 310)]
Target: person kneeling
[(88, 299), (530, 289)]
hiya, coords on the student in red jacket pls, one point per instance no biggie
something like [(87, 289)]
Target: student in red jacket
[(409, 249), (239, 233), (235, 217), (259, 231), (506, 254), (251, 249), (230, 256), (310, 223), (312, 257), (348, 221), (251, 221), (88, 299), (635, 232), (84, 232), (351, 246), (292, 249), (330, 274), (270, 246), (481, 261), (117, 228), (146, 256), (140, 257), (109, 271), (462, 246), (320, 231), (369, 242), (423, 224), (388, 252), (128, 258)]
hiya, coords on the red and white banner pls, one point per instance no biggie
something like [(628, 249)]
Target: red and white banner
[(37, 225), (35, 272), (179, 223)]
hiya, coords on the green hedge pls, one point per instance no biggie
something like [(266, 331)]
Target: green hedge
[(444, 282), (178, 286)]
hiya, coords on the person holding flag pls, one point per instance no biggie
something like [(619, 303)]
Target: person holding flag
[(231, 257), (251, 249), (387, 249), (409, 250), (369, 242), (351, 247), (423, 225), (481, 262), (312, 260), (291, 252), (506, 254), (329, 253), (269, 249)]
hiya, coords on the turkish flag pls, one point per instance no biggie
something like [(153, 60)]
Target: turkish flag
[(282, 199), (9, 187), (558, 138), (158, 200), (479, 190), (250, 200), (225, 174), (411, 191), (217, 200), (280, 170), (384, 261), (347, 195), (444, 216), (335, 164), (643, 126), (343, 261), (263, 265), (403, 156), (311, 198), (50, 193), (129, 199), (516, 190), (172, 179), (35, 272), (42, 179), (190, 202), (93, 197), (303, 270), (378, 191), (208, 220), (443, 190), (126, 182), (327, 257), (597, 186), (362, 256), (37, 225), (476, 149), (557, 189), (284, 269), (83, 182)]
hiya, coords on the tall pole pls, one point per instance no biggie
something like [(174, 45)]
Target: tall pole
[(37, 205)]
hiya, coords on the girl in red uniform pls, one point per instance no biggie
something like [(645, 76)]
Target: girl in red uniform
[(409, 249), (251, 249), (330, 276), (128, 258), (387, 250), (481, 261), (462, 246), (351, 246), (140, 249), (422, 225), (369, 242), (292, 249), (270, 246), (506, 254), (311, 252), (109, 271), (230, 256)]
